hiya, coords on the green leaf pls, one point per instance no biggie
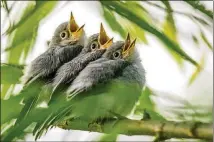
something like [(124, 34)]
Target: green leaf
[(10, 74), (38, 11), (200, 7), (202, 21), (197, 70), (145, 100), (5, 89), (109, 137), (119, 8), (113, 23), (206, 41), (145, 103), (17, 130), (10, 108), (5, 6), (194, 38), (121, 25), (133, 29), (25, 31), (169, 29)]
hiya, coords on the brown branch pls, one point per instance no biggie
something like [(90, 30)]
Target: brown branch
[(165, 129)]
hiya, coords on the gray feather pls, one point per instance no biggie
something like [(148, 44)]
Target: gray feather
[(67, 72), (106, 69), (96, 72)]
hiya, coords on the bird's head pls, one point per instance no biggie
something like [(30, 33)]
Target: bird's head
[(68, 33), (98, 41), (121, 49)]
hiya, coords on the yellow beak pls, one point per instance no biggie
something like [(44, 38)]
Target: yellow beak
[(76, 35), (72, 26), (103, 39), (128, 47), (74, 29)]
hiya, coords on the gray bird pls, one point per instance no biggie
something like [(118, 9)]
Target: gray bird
[(94, 48), (66, 43)]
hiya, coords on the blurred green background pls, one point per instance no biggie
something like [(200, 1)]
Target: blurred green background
[(174, 39)]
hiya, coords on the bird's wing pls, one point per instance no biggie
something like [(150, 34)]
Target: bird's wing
[(68, 72), (94, 73)]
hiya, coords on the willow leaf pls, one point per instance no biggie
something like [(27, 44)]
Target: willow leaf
[(206, 41), (113, 23), (146, 104), (170, 30), (197, 70), (10, 74), (200, 7), (24, 35), (119, 8)]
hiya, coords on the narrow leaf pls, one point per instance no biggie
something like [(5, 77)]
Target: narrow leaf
[(123, 11), (10, 74), (146, 104), (200, 7), (197, 70), (26, 31), (113, 23), (206, 41), (169, 28)]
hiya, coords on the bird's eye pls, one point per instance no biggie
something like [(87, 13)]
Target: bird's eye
[(116, 54), (94, 45), (63, 35)]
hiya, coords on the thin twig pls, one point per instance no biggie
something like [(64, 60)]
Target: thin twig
[(169, 129)]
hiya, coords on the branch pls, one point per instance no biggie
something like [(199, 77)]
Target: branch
[(165, 129)]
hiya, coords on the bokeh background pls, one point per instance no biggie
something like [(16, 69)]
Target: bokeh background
[(176, 89)]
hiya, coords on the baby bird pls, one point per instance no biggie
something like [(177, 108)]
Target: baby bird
[(95, 47), (66, 43)]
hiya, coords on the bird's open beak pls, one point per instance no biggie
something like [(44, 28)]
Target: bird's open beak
[(75, 36), (103, 39), (74, 30), (128, 47), (107, 44), (72, 26)]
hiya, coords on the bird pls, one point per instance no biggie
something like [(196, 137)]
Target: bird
[(96, 45), (107, 86), (67, 42)]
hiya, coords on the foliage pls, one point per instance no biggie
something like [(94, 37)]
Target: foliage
[(121, 17)]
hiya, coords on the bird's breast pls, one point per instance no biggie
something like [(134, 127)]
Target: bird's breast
[(114, 96)]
